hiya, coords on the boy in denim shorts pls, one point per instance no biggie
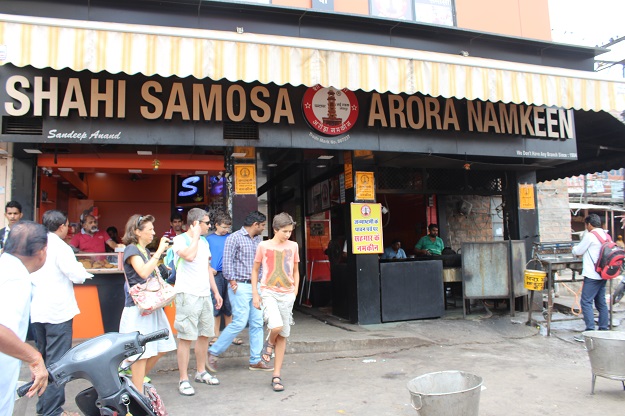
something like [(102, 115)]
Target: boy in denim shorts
[(279, 258)]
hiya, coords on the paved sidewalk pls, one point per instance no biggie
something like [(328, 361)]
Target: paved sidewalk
[(336, 368)]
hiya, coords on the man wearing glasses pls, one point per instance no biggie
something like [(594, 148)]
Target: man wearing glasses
[(194, 306)]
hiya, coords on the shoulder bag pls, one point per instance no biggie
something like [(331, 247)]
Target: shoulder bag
[(152, 294)]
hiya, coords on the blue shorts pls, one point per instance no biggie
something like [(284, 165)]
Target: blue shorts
[(222, 288)]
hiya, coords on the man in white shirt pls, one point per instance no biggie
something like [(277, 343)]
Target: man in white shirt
[(53, 305), (194, 305), (594, 286), (25, 253)]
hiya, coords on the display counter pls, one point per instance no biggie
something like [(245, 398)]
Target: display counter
[(411, 289), (101, 299)]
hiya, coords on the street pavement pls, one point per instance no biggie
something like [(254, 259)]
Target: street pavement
[(336, 368)]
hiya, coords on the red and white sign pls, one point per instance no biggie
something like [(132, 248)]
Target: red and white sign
[(330, 111)]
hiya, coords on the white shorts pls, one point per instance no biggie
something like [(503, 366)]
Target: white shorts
[(133, 321), (278, 310)]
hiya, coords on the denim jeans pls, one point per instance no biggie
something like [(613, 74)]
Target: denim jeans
[(594, 291), (243, 312), (53, 340)]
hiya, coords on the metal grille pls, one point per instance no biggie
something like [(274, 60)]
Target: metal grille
[(465, 181), (405, 179), (240, 131), (31, 126)]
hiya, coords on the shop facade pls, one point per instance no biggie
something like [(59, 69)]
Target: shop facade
[(446, 141)]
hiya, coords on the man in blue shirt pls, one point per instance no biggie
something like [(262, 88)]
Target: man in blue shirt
[(217, 241), (394, 251)]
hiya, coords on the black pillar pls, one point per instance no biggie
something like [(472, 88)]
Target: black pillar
[(363, 273)]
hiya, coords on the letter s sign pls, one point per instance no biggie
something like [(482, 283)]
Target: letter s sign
[(187, 184)]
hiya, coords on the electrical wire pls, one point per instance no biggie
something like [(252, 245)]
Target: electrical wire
[(576, 309)]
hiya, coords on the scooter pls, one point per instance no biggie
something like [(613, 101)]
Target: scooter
[(97, 361)]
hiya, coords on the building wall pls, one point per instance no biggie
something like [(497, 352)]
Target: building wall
[(476, 226), (521, 18), (554, 215)]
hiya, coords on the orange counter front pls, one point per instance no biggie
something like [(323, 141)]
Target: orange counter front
[(101, 302)]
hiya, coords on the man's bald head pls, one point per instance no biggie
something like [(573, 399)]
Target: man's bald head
[(28, 242)]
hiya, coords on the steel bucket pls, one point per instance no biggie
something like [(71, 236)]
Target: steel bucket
[(606, 350), (446, 393)]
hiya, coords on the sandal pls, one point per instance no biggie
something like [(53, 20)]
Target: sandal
[(207, 378), (276, 383), (266, 354), (185, 388), (237, 341), (212, 341)]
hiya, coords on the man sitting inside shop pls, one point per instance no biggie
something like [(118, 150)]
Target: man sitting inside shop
[(430, 244), (91, 239), (394, 251)]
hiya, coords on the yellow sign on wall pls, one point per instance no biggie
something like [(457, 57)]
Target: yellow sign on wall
[(526, 196), (365, 186), (366, 228), (347, 164), (245, 179)]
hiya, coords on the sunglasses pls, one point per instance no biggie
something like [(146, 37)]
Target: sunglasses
[(139, 221)]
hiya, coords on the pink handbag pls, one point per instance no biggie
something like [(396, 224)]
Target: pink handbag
[(151, 295)]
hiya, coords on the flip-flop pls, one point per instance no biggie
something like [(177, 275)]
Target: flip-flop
[(237, 341)]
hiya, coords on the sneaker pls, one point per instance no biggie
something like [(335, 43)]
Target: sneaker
[(578, 338), (211, 364), (185, 388), (124, 372), (261, 366), (147, 379)]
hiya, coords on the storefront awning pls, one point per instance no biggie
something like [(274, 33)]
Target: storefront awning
[(247, 57)]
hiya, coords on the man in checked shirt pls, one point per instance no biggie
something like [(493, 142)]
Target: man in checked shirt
[(238, 260)]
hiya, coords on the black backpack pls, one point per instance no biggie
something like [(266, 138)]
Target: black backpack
[(611, 257)]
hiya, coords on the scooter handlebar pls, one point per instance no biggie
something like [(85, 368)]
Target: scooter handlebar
[(144, 339), (22, 390)]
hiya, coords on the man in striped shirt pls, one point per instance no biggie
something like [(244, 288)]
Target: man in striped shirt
[(238, 260)]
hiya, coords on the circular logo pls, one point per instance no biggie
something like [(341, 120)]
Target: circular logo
[(365, 210), (330, 111)]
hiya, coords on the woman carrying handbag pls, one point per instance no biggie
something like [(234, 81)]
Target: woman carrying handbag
[(139, 266)]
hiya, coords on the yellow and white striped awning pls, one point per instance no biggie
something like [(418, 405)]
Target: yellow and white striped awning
[(166, 51)]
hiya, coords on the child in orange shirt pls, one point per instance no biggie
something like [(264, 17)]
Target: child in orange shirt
[(278, 289)]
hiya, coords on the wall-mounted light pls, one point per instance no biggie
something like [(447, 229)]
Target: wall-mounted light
[(156, 164)]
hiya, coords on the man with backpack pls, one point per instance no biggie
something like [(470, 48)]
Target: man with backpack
[(594, 286)]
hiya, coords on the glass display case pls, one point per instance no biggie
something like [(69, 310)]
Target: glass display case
[(101, 263)]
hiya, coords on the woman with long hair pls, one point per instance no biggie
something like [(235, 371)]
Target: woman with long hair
[(139, 264)]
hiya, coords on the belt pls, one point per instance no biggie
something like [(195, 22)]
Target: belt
[(244, 281)]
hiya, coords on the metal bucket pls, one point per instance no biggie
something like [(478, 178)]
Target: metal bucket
[(446, 393), (606, 350)]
